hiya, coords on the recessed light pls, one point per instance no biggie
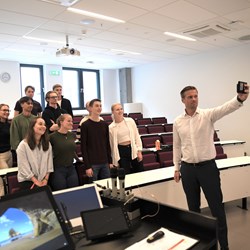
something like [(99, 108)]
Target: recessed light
[(42, 39), (179, 36), (122, 52), (87, 21), (43, 43), (95, 15)]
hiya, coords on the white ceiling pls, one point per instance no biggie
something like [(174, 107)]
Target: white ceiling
[(146, 21)]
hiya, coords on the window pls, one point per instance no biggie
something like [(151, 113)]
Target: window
[(81, 85), (33, 75)]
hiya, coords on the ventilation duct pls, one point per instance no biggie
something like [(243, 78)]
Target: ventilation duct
[(207, 30)]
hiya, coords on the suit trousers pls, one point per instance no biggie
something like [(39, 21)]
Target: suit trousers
[(205, 176)]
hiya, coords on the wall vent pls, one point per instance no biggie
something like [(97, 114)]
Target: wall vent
[(207, 30)]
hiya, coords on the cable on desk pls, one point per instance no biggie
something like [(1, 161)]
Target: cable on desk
[(131, 198), (158, 204)]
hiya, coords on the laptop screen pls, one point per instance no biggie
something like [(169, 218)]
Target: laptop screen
[(31, 220), (72, 201)]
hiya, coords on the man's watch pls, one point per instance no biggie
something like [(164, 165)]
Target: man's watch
[(239, 100)]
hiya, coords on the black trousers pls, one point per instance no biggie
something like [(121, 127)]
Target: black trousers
[(206, 176), (130, 165)]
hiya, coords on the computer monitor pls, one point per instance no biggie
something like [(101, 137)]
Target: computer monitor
[(73, 201), (106, 222), (31, 220)]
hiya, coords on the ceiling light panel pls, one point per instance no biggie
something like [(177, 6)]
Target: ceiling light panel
[(179, 36), (113, 8), (95, 15)]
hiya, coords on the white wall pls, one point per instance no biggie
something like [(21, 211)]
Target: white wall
[(110, 91), (10, 91), (215, 74)]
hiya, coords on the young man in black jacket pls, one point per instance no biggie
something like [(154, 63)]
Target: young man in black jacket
[(52, 111)]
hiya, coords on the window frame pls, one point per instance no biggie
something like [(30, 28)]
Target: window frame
[(81, 84), (40, 67)]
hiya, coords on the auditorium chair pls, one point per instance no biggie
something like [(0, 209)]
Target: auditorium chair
[(167, 139), (148, 141), (77, 118), (12, 183), (135, 115), (155, 128), (168, 127), (75, 126), (216, 138), (165, 158), (159, 120), (106, 117), (142, 130), (144, 121), (220, 152), (149, 161)]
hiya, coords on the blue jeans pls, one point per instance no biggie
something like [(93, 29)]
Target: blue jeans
[(100, 171), (63, 177)]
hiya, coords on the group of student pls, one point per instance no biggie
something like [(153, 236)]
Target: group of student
[(106, 146), (44, 145), (44, 159)]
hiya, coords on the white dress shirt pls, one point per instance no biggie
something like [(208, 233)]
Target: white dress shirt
[(193, 135)]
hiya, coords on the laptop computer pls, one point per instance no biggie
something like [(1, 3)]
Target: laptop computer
[(31, 219), (105, 222), (72, 201)]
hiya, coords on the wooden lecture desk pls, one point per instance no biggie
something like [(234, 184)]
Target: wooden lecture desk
[(159, 185)]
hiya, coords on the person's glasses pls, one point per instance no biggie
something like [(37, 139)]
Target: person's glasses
[(5, 110), (54, 97)]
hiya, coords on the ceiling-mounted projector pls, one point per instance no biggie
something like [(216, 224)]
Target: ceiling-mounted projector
[(66, 51)]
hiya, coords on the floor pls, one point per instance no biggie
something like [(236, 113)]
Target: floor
[(238, 221)]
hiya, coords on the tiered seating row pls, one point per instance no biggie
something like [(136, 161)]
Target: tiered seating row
[(162, 158), (145, 125), (165, 138), (155, 128), (138, 117)]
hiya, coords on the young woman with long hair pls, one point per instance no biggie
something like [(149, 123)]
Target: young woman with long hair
[(34, 156)]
